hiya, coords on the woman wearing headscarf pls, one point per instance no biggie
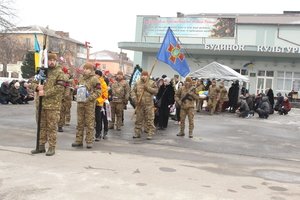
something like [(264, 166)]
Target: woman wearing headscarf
[(165, 95)]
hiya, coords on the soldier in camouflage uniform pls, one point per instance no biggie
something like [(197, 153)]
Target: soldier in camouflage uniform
[(213, 96), (223, 97), (142, 96), (199, 87), (120, 91), (66, 102), (52, 92), (69, 99), (86, 108), (186, 97)]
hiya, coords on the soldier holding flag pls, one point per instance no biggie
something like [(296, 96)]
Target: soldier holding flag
[(142, 96), (52, 92)]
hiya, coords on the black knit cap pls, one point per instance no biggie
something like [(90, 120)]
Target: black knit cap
[(98, 72)]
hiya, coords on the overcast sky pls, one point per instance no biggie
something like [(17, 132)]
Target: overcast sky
[(104, 23)]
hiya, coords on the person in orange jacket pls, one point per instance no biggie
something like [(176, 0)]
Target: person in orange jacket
[(100, 109)]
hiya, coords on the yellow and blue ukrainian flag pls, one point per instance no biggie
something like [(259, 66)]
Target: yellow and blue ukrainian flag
[(36, 53)]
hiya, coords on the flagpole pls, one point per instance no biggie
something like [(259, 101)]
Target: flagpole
[(41, 72), (148, 78)]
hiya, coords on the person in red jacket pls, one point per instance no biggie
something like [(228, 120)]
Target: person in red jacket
[(285, 107)]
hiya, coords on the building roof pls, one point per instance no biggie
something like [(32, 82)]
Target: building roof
[(42, 30), (105, 55), (288, 17)]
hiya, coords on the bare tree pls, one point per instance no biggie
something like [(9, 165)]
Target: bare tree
[(11, 51), (7, 14)]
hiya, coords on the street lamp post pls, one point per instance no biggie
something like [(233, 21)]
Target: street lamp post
[(87, 46)]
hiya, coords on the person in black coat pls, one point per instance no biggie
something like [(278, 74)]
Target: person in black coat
[(270, 95), (165, 94), (233, 96), (4, 93)]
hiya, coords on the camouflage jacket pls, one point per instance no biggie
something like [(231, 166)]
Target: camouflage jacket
[(92, 85), (54, 87), (148, 89), (214, 92), (186, 97), (223, 94), (120, 91)]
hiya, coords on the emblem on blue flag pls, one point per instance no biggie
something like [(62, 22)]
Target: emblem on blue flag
[(170, 53)]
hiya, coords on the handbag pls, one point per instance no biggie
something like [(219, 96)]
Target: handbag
[(157, 103)]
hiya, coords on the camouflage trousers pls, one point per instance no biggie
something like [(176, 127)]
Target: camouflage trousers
[(199, 103), (85, 119), (190, 113), (68, 106), (117, 109), (212, 104), (144, 119), (48, 131), (65, 112)]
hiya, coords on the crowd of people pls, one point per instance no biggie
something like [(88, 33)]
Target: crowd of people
[(101, 102), (16, 92)]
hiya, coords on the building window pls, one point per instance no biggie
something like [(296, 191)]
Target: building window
[(261, 73), (270, 73), (264, 80), (286, 80)]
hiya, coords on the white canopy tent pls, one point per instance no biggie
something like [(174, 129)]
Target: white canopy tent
[(216, 70)]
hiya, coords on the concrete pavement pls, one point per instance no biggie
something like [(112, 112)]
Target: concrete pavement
[(229, 159)]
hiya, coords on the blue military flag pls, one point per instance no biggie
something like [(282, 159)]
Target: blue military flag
[(170, 53)]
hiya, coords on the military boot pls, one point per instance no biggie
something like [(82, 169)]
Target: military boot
[(77, 144), (89, 145), (51, 151), (136, 136), (180, 134), (60, 129), (41, 149), (149, 137)]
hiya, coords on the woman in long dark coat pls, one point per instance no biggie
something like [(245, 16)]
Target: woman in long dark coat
[(166, 94), (233, 95)]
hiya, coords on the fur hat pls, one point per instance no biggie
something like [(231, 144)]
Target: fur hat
[(88, 66), (188, 79), (120, 73), (52, 56), (145, 73)]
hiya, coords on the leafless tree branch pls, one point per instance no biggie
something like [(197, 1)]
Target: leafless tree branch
[(7, 14)]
